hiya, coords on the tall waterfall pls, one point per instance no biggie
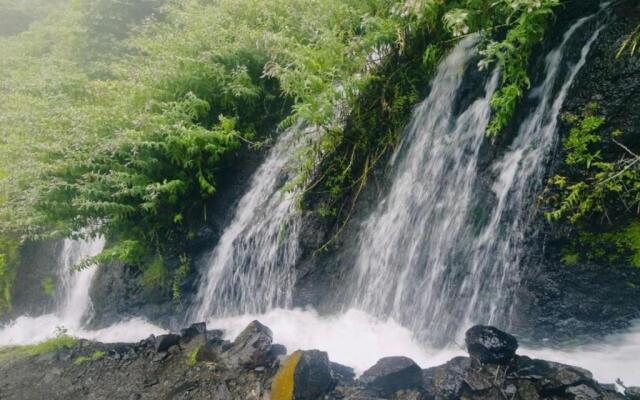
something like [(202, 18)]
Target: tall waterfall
[(434, 256), (251, 268)]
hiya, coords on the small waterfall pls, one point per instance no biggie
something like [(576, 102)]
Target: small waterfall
[(72, 295), (433, 255), (251, 268), (73, 305), (72, 301)]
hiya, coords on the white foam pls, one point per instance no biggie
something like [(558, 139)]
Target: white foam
[(359, 340), (28, 330), (354, 338), (617, 356)]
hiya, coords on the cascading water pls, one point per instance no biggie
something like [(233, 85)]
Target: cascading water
[(73, 301), (73, 305), (433, 258), (251, 268), (426, 258)]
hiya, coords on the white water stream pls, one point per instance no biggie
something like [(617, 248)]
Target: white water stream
[(73, 306), (433, 255), (251, 269)]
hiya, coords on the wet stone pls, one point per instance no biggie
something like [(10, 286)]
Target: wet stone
[(251, 347), (312, 376), (489, 345), (583, 392), (632, 393), (164, 342), (392, 374), (447, 380), (277, 350), (565, 375), (195, 330), (342, 372)]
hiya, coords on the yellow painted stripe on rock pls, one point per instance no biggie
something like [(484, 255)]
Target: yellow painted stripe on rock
[(283, 382)]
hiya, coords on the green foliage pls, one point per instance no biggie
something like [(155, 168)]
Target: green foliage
[(61, 341), (192, 358), (179, 278), (600, 180), (618, 246), (155, 276), (57, 343), (631, 43), (593, 184), (570, 258), (48, 286), (95, 356), (17, 15), (137, 110), (528, 22), (8, 263)]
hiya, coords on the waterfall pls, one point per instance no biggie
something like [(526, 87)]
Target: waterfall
[(251, 270), (435, 255), (72, 302), (73, 305), (72, 295)]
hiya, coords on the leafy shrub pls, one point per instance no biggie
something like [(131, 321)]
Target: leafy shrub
[(95, 356), (136, 110), (593, 185), (597, 186)]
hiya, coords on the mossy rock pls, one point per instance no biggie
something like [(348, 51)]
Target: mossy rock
[(283, 382), (305, 375)]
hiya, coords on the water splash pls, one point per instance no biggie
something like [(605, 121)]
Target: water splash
[(432, 255), (357, 339), (251, 268)]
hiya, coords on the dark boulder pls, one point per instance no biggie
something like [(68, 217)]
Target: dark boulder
[(561, 376), (194, 331), (305, 375), (251, 347), (342, 372), (277, 350), (447, 380), (392, 374), (206, 353), (164, 342), (632, 393), (522, 378), (215, 334), (312, 376), (583, 392), (489, 345)]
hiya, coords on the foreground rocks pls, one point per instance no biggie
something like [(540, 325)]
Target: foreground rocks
[(200, 364)]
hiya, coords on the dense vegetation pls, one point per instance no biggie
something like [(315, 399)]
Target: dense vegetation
[(119, 117), (598, 191)]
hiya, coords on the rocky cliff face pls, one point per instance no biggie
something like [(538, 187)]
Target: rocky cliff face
[(199, 364), (562, 302), (37, 269)]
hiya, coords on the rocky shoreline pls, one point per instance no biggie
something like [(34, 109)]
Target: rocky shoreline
[(199, 364)]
